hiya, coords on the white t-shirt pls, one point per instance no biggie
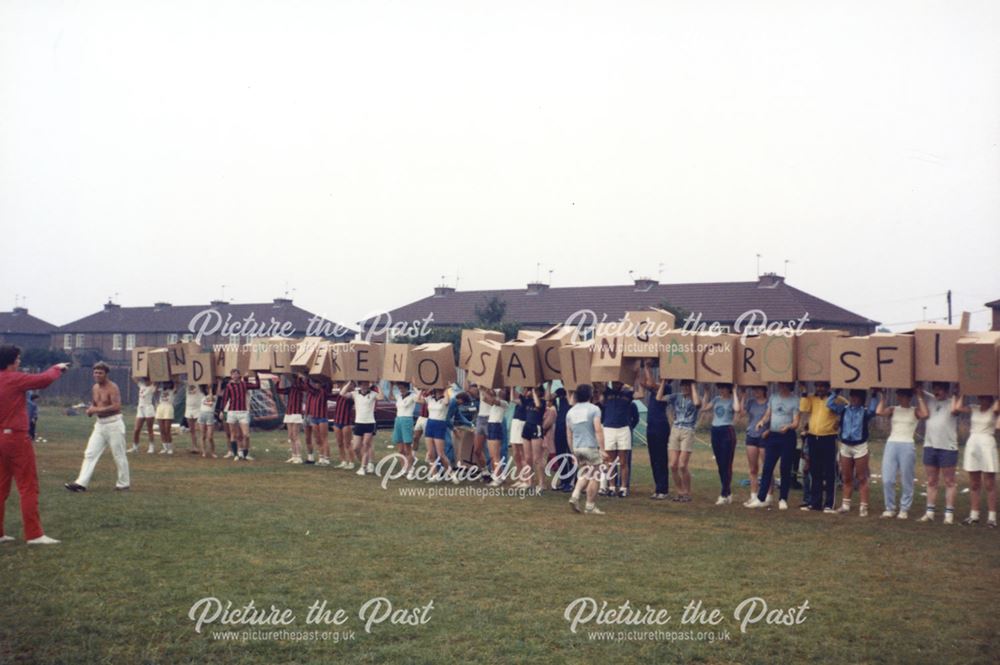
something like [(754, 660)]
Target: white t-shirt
[(904, 424), (484, 409), (364, 407), (207, 404), (437, 409), (192, 400), (497, 412), (167, 396), (942, 425), (146, 395), (404, 405)]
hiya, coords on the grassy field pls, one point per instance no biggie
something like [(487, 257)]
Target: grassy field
[(499, 570)]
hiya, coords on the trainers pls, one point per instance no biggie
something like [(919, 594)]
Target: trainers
[(349, 466), (969, 521), (290, 460), (6, 539), (43, 540), (323, 462), (297, 459), (721, 501), (228, 454), (754, 503), (370, 468), (902, 515), (805, 508), (361, 470), (623, 493), (843, 510), (782, 505), (991, 524), (455, 479), (829, 511), (593, 510), (886, 514), (150, 450), (133, 449), (75, 487), (863, 510), (248, 458), (574, 503), (928, 517), (310, 458), (949, 518)]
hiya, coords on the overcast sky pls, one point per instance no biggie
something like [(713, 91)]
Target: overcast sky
[(359, 151)]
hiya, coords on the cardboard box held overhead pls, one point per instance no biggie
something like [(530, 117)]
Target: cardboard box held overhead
[(432, 365), (813, 354), (978, 364), (485, 367), (469, 337)]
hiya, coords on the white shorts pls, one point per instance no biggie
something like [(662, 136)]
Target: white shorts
[(234, 417), (164, 411), (854, 452), (421, 424), (293, 419), (617, 438), (517, 432), (145, 411), (192, 414), (980, 454)]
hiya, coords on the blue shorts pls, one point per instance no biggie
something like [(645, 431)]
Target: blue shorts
[(402, 430), (360, 429), (494, 431), (318, 421), (940, 458), (755, 441), (436, 429)]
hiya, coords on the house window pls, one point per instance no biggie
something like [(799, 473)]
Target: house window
[(187, 337), (116, 342), (129, 342), (172, 338), (67, 341), (79, 341)]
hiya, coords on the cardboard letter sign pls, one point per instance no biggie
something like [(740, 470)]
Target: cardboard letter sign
[(260, 355), (812, 354), (302, 361), (748, 362), (177, 356), (645, 332), (432, 365), (485, 368), (892, 359), (200, 369), (140, 362), (158, 365), (394, 362), (850, 363), (520, 364), (677, 357), (282, 351), (469, 337), (548, 350), (362, 361), (777, 357), (322, 362), (934, 352), (574, 364), (716, 358), (977, 363)]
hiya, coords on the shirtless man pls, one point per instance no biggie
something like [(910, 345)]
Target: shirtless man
[(109, 431)]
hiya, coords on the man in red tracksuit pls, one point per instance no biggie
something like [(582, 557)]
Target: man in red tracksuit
[(17, 453)]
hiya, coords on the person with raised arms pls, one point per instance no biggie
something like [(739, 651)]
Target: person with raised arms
[(293, 390), (317, 396), (17, 454), (534, 444), (657, 432), (780, 422), (617, 402), (109, 432), (192, 407), (206, 421), (585, 436), (854, 459), (236, 400), (724, 407), (494, 431), (165, 416), (821, 441), (343, 425), (684, 406), (980, 460), (900, 455), (402, 427), (437, 408), (755, 406), (365, 397), (941, 449), (145, 415)]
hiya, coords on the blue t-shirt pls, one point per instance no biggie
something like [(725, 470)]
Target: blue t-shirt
[(580, 420), (685, 412), (755, 411), (616, 407), (532, 414), (656, 410), (722, 411), (783, 410)]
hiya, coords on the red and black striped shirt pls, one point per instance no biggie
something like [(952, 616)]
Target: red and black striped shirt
[(343, 413), (235, 397), (316, 400), (293, 397)]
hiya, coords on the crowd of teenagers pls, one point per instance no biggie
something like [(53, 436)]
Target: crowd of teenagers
[(523, 436), (581, 440)]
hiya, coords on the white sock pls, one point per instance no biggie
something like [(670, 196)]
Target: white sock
[(992, 516), (974, 514)]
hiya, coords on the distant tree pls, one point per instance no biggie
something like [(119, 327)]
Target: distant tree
[(491, 312), (679, 312), (43, 358)]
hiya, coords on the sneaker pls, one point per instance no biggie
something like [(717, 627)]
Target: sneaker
[(290, 460), (843, 510), (886, 514), (991, 524), (829, 511), (228, 454), (133, 449), (768, 500), (236, 458), (805, 508), (623, 493), (721, 501), (75, 487), (601, 492), (310, 458), (323, 462), (297, 459), (755, 503), (659, 497), (949, 518), (349, 466), (361, 470), (6, 539), (170, 451), (593, 510), (969, 521), (684, 498), (43, 540), (455, 479), (574, 503), (122, 489), (863, 510), (150, 450), (370, 468), (496, 482), (902, 515), (782, 505), (928, 517), (163, 451)]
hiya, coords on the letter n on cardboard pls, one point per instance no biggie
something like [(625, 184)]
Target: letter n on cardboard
[(394, 362), (574, 363)]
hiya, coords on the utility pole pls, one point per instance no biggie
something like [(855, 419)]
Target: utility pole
[(949, 307), (758, 266)]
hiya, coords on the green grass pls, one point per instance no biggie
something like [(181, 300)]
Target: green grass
[(500, 570)]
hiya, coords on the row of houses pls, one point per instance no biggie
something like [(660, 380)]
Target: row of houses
[(111, 333)]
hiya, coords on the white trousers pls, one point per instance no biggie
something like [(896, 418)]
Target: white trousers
[(108, 433)]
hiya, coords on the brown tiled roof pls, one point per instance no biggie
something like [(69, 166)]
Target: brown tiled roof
[(177, 318), (717, 301), (19, 322), (994, 304)]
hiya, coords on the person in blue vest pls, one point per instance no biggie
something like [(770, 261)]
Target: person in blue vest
[(854, 419)]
